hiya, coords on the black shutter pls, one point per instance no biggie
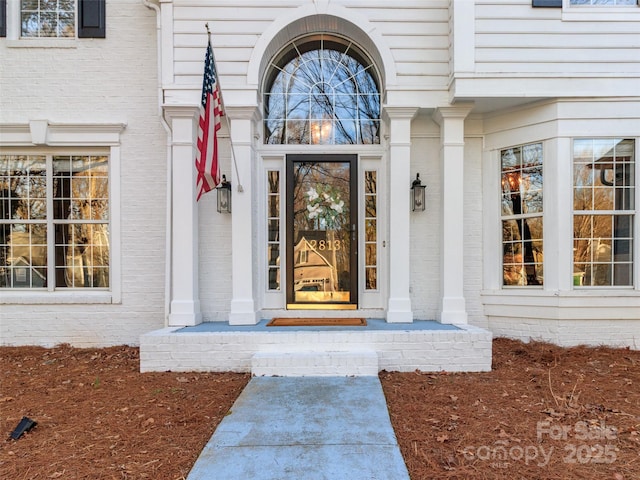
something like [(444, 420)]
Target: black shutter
[(547, 3), (91, 19), (3, 18)]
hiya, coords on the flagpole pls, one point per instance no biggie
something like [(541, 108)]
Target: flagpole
[(233, 150)]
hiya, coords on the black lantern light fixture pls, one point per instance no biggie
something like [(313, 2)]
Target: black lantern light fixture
[(417, 197), (224, 195)]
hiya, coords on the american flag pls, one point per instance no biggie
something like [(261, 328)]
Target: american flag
[(211, 112)]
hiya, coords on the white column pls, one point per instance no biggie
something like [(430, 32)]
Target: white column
[(399, 307), (558, 222), (243, 306), (184, 307), (451, 121)]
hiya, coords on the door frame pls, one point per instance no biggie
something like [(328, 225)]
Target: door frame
[(354, 286)]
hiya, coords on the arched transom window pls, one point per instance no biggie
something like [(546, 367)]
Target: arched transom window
[(322, 90)]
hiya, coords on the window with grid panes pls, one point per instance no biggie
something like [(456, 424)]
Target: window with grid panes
[(603, 211), (322, 89), (48, 18), (51, 19), (273, 230), (55, 222), (522, 216), (371, 229)]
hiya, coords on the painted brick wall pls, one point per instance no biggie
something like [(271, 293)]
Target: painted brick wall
[(215, 247), (616, 333), (468, 349), (100, 81), (426, 226)]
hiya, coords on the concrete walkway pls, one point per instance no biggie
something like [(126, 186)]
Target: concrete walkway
[(311, 428)]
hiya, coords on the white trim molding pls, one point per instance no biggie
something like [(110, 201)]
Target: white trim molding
[(44, 132), (42, 135)]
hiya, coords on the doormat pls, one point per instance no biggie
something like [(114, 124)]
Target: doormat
[(317, 322)]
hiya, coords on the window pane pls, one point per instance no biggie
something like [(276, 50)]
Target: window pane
[(67, 5), (370, 205), (347, 131), (80, 199), (323, 89), (23, 255), (371, 278), (273, 179), (66, 24), (531, 186), (603, 179), (23, 252), (274, 254), (623, 274), (273, 230), (274, 279), (297, 132), (297, 105), (23, 187), (370, 132), (371, 229), (522, 208), (274, 206), (30, 24), (370, 181), (82, 255), (47, 18), (511, 230), (274, 131), (81, 188), (370, 254), (513, 274), (30, 5), (48, 24)]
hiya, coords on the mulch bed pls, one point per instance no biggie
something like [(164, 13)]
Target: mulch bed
[(544, 412)]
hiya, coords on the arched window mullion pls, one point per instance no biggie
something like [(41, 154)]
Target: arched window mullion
[(343, 56)]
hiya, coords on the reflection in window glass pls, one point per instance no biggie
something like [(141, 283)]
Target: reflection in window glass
[(522, 183), (322, 90), (48, 18), (603, 205), (273, 230), (370, 229), (77, 187), (603, 2)]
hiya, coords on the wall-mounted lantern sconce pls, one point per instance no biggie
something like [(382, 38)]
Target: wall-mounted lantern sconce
[(417, 197), (224, 195)]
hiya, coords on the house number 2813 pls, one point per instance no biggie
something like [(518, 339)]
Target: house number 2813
[(326, 245)]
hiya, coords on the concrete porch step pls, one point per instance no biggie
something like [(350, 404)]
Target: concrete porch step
[(303, 363)]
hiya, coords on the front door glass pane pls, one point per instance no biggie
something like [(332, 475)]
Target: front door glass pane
[(322, 232)]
